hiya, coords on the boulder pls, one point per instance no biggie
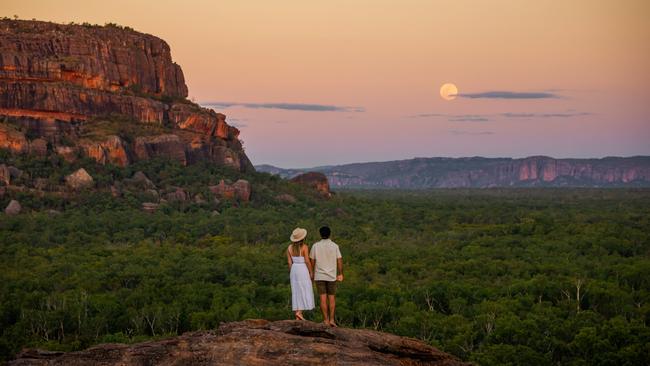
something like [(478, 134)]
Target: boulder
[(257, 342), (13, 208), (79, 180), (222, 190), (141, 180), (242, 190), (315, 180), (9, 173)]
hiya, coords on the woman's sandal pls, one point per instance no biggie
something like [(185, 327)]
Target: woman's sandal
[(299, 317)]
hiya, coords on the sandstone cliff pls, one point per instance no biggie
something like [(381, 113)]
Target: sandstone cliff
[(257, 342), (484, 172), (57, 82)]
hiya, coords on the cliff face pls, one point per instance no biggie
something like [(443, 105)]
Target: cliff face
[(57, 80), (486, 172), (257, 342)]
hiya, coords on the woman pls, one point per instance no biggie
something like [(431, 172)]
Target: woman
[(300, 273)]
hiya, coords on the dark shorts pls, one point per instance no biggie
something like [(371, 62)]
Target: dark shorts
[(326, 287)]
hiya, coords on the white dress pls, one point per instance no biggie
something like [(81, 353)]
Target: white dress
[(302, 294)]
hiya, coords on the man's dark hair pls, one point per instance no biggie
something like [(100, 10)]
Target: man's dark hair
[(325, 232)]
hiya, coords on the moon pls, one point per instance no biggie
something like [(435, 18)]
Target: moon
[(448, 91)]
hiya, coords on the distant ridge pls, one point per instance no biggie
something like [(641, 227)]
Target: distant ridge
[(479, 172)]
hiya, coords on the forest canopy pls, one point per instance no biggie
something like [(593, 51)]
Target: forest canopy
[(495, 276)]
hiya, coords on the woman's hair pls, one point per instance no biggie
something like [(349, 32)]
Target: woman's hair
[(295, 247)]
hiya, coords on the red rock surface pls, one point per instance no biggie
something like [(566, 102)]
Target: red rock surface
[(257, 342), (5, 175), (240, 190), (55, 78), (112, 150), (243, 190), (102, 58), (315, 180)]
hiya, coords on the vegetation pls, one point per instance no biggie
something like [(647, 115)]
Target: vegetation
[(499, 276)]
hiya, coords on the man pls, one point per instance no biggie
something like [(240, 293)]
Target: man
[(328, 269)]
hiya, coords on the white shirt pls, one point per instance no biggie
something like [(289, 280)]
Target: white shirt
[(325, 252)]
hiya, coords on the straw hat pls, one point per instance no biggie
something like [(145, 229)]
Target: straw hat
[(298, 234)]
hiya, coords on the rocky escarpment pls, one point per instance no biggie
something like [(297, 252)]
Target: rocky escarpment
[(257, 342), (58, 81), (485, 172)]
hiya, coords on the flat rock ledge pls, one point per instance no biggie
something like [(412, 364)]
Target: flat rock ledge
[(256, 342)]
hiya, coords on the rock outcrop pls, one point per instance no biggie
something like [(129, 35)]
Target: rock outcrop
[(243, 190), (13, 208), (57, 81), (256, 342), (113, 150), (240, 190), (315, 180), (79, 180), (5, 175), (485, 172)]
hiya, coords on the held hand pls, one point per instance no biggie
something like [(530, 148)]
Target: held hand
[(339, 278)]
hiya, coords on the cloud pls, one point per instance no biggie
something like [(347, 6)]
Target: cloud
[(287, 106), (491, 117), (468, 119), (546, 115), (455, 117), (425, 115), (472, 133), (509, 95)]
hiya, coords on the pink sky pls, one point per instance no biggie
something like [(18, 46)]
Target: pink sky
[(381, 64)]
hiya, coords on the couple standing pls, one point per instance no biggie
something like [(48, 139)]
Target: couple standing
[(323, 264)]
